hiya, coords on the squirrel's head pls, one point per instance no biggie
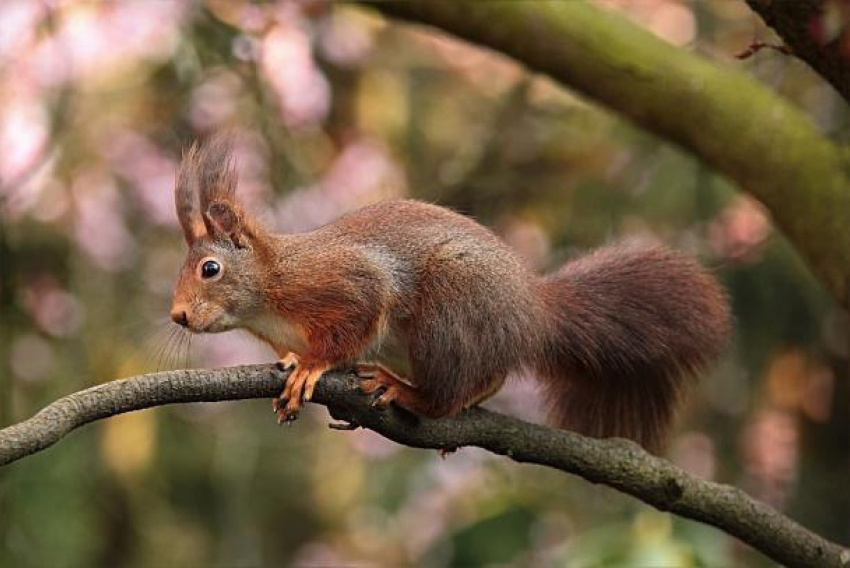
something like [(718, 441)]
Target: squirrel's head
[(217, 289)]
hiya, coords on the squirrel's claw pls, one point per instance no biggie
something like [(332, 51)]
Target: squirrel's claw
[(374, 376), (289, 412), (378, 379), (387, 387), (387, 395), (288, 419), (286, 412), (279, 405)]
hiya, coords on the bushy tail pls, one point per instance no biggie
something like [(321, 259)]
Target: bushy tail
[(629, 326)]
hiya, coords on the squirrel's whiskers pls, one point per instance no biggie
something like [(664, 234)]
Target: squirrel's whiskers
[(170, 347)]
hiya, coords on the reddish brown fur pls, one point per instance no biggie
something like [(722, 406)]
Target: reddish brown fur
[(613, 335)]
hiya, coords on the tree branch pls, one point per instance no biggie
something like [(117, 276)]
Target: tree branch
[(802, 25), (616, 463), (757, 139)]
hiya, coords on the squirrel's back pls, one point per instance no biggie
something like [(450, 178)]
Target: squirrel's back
[(422, 233)]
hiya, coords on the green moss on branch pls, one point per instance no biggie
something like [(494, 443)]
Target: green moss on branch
[(757, 139)]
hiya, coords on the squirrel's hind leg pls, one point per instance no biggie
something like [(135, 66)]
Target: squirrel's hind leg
[(375, 377)]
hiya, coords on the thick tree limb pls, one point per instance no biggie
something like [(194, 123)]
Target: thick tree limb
[(760, 141), (617, 463), (801, 24)]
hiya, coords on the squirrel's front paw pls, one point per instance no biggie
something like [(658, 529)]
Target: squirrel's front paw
[(287, 410), (299, 385)]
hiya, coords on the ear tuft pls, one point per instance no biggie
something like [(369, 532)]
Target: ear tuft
[(217, 174), (206, 193), (186, 196)]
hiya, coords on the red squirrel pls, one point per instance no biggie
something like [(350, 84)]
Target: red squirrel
[(613, 336)]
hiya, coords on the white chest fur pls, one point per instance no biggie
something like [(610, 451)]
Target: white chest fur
[(282, 335)]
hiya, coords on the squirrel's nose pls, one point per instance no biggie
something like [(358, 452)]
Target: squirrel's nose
[(180, 317)]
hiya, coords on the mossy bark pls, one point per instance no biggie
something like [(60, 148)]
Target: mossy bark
[(761, 142)]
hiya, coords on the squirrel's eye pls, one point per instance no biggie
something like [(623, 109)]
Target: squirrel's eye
[(210, 269)]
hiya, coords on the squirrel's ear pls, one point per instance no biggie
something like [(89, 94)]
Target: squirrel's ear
[(186, 198), (224, 221)]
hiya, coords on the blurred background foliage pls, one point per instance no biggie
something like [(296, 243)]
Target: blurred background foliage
[(334, 108)]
